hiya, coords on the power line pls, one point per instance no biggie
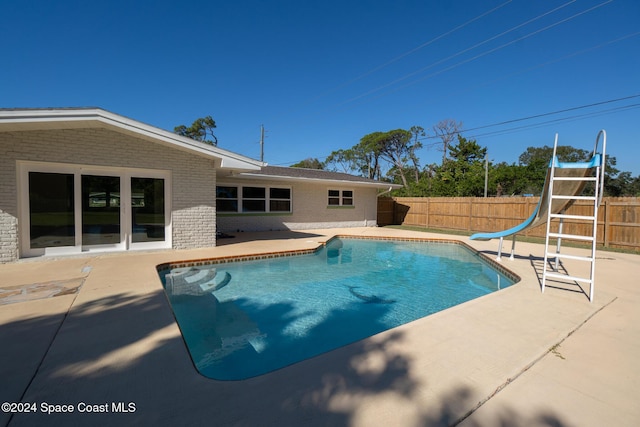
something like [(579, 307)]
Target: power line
[(563, 119), (406, 76), (507, 122), (535, 116), (576, 53), (553, 61), (480, 55), (427, 43), (407, 53), (468, 49), (552, 113), (540, 124)]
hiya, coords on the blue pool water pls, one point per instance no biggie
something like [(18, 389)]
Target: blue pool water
[(243, 319)]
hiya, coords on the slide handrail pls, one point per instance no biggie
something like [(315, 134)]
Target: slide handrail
[(603, 158)]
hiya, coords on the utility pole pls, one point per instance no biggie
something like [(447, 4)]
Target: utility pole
[(262, 143)]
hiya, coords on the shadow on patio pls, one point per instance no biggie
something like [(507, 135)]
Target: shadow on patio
[(123, 348)]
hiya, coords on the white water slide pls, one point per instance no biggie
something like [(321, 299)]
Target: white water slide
[(563, 185)]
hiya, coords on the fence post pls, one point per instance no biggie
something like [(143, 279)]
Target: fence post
[(427, 214), (605, 231), (470, 213), (526, 211)]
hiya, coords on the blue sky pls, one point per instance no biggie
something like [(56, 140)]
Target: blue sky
[(319, 75)]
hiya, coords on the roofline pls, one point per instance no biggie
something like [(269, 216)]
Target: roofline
[(376, 184), (27, 119)]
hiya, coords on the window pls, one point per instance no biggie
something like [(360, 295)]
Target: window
[(226, 199), (347, 198), (340, 198), (253, 199), (279, 200), (232, 199), (334, 197)]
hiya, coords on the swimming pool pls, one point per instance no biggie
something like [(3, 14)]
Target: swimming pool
[(243, 319)]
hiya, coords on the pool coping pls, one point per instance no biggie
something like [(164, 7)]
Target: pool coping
[(282, 254)]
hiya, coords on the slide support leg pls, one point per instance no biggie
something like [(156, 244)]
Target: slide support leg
[(513, 247)]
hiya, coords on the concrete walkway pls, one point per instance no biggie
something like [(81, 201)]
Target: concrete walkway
[(113, 353)]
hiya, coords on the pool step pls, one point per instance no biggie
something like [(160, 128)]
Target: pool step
[(195, 281)]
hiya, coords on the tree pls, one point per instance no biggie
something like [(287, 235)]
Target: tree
[(446, 130), (619, 184), (417, 132), (509, 179), (467, 151), (309, 163), (395, 147), (368, 150), (542, 155), (199, 130), (536, 161), (361, 159), (392, 156), (343, 160), (462, 175), (465, 169)]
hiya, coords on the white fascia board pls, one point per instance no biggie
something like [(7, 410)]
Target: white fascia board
[(96, 117), (341, 182)]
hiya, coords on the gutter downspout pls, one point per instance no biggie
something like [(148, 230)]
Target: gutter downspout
[(385, 192)]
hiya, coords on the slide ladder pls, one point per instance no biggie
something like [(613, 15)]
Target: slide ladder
[(557, 182)]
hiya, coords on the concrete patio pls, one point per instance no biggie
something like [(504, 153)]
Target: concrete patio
[(518, 357)]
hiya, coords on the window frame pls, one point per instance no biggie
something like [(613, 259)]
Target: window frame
[(240, 208), (289, 200), (344, 200), (252, 200), (78, 171), (235, 199)]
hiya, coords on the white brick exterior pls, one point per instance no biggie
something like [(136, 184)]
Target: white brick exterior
[(310, 208), (192, 188)]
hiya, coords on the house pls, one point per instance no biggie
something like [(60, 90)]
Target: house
[(283, 198), (76, 180)]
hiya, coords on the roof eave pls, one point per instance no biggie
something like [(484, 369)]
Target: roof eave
[(378, 184), (18, 120)]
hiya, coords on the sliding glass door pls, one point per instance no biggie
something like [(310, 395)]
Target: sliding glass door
[(70, 209), (148, 216), (101, 210), (51, 210)]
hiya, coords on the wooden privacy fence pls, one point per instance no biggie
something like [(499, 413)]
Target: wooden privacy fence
[(618, 217)]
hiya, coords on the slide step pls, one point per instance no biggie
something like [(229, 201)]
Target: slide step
[(567, 256), (572, 178), (573, 197), (567, 277), (571, 236), (565, 216)]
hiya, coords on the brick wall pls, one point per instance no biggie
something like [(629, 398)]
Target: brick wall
[(192, 187), (8, 237)]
